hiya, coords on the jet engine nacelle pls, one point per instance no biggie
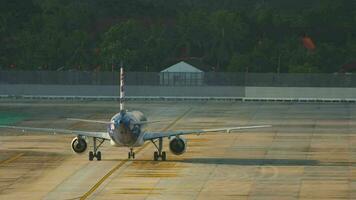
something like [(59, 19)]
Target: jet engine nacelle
[(79, 145), (177, 145)]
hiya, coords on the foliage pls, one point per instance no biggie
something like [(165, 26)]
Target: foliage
[(150, 35)]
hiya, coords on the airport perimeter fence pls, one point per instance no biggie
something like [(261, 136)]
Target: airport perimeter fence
[(178, 79)]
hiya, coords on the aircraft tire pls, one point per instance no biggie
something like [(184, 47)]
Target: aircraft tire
[(164, 156), (155, 156), (91, 155), (98, 156)]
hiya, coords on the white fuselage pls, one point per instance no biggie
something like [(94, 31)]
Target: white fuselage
[(126, 129)]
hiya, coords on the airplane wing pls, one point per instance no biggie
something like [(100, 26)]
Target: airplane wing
[(155, 135), (150, 122), (103, 135), (89, 121), (107, 122)]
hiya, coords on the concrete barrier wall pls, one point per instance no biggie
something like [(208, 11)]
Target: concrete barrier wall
[(58, 90), (160, 91), (300, 92), (96, 90)]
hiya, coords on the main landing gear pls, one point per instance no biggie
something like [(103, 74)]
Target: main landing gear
[(159, 154), (96, 153)]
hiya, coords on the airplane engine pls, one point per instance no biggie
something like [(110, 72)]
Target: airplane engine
[(79, 145), (177, 145)]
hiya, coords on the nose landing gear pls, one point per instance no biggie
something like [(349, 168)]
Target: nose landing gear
[(131, 154)]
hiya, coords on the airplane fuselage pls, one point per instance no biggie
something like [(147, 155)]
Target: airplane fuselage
[(126, 129)]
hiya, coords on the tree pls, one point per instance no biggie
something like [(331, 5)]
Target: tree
[(227, 32), (123, 43), (193, 29), (152, 34), (304, 68), (240, 63), (157, 48)]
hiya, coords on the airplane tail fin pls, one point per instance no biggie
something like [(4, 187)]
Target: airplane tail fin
[(122, 89)]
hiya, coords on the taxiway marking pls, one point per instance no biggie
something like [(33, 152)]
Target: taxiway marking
[(101, 181), (11, 159)]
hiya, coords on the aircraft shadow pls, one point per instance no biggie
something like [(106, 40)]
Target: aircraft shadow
[(246, 162), (235, 161), (250, 162)]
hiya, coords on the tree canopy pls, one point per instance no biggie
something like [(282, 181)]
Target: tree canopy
[(150, 35)]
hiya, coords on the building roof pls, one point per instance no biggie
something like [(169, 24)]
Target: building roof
[(182, 67)]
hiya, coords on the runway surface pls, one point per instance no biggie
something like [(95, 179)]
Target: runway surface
[(309, 153)]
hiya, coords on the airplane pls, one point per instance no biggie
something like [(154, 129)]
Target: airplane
[(126, 129)]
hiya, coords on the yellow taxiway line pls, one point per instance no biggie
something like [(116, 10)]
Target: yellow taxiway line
[(11, 159), (107, 175)]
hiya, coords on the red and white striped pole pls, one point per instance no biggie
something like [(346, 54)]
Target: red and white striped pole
[(122, 89)]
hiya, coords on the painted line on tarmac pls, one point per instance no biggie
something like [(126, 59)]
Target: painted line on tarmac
[(11, 159), (101, 181)]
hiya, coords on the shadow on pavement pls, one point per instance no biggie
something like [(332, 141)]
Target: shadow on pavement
[(234, 161)]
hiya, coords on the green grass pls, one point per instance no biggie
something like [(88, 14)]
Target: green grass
[(11, 118)]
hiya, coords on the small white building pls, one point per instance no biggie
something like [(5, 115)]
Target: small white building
[(182, 74)]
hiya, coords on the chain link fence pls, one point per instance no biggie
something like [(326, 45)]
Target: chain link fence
[(178, 79)]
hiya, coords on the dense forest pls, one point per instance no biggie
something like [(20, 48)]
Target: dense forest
[(149, 35)]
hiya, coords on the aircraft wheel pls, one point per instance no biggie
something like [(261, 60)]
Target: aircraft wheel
[(129, 155), (91, 155), (155, 156), (98, 155), (133, 155), (164, 156)]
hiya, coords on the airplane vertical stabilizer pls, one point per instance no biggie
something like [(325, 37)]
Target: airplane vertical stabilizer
[(122, 89)]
